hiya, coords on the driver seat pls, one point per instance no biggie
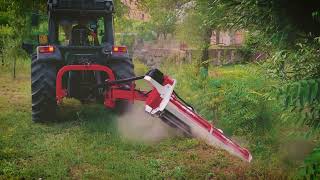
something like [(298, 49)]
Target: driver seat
[(79, 36)]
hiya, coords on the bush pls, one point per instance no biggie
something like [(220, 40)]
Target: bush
[(311, 169), (255, 44), (299, 69), (296, 64)]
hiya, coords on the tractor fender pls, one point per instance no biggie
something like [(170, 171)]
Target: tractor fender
[(55, 56), (119, 57), (116, 59)]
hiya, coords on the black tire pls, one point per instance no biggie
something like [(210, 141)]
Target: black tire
[(43, 86), (123, 69)]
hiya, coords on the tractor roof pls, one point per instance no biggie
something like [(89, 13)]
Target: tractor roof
[(81, 6)]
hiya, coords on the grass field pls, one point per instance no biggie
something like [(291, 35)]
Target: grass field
[(84, 143)]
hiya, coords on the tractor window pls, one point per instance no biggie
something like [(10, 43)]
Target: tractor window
[(81, 32), (65, 29), (100, 30)]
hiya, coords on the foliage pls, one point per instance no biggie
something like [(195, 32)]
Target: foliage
[(311, 169), (280, 16), (144, 31), (249, 114), (297, 64), (163, 15), (256, 43), (198, 24), (299, 68), (303, 97), (131, 31), (139, 68), (192, 36), (127, 40)]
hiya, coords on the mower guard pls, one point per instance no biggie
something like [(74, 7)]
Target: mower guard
[(162, 102)]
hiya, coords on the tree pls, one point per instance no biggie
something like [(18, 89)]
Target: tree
[(201, 19), (163, 14)]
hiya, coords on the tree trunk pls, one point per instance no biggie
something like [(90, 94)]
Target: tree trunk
[(2, 58), (14, 67), (165, 36), (205, 49)]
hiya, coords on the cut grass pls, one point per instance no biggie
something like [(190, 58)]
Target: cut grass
[(84, 144)]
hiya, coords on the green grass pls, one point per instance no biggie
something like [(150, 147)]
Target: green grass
[(84, 143)]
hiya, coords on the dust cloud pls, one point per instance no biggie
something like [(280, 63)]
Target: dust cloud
[(138, 126)]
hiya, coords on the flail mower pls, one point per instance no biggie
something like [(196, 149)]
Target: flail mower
[(72, 65)]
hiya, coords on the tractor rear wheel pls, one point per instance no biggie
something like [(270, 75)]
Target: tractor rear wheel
[(43, 85), (123, 69)]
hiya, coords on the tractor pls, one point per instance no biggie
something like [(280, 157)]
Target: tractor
[(78, 59), (81, 32)]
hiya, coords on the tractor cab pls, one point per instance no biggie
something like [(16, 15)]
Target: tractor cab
[(77, 19), (82, 27)]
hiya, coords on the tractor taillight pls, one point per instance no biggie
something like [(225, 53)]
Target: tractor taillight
[(46, 49), (119, 49)]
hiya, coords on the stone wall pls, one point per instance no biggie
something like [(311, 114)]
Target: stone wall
[(154, 57)]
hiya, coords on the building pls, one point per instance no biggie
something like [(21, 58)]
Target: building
[(228, 38)]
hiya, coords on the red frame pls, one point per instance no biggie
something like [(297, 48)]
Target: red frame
[(115, 93), (111, 95), (61, 93)]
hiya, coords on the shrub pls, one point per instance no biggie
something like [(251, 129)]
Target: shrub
[(300, 71), (311, 168), (297, 64)]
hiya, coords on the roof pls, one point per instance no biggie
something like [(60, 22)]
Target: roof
[(94, 6)]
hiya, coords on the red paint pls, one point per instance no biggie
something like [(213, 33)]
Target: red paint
[(61, 93), (167, 80), (46, 49), (119, 49), (116, 94), (154, 98), (205, 124)]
